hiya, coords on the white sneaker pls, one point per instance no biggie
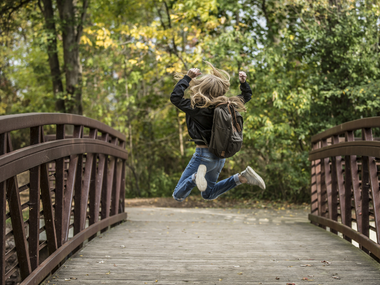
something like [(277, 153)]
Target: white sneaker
[(200, 179), (253, 178)]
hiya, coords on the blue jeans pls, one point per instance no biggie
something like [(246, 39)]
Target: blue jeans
[(214, 165)]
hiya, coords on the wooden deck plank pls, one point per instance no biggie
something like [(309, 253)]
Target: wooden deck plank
[(216, 246)]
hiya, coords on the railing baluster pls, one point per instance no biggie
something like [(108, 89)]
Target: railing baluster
[(106, 203), (116, 189), (318, 174), (100, 182), (355, 184), (122, 187), (323, 189), (13, 197), (365, 195), (59, 189), (48, 210), (374, 184), (34, 205), (314, 192), (331, 183), (331, 196), (87, 181), (94, 189), (47, 205), (344, 198), (75, 163), (3, 148), (108, 184)]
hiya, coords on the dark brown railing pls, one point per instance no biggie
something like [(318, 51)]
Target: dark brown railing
[(58, 188), (345, 182)]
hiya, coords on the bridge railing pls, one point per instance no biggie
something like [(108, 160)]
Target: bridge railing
[(56, 193), (345, 182)]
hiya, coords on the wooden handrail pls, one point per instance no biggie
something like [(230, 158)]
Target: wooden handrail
[(77, 180), (10, 123), (344, 174), (372, 122)]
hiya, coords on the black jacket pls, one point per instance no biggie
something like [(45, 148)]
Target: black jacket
[(199, 120)]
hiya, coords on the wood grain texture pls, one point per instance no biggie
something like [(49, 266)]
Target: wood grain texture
[(216, 246)]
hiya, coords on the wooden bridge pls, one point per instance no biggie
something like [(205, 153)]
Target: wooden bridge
[(62, 193)]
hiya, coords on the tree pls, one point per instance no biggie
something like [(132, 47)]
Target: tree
[(70, 29)]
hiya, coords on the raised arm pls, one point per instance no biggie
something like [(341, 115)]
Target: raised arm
[(179, 91), (246, 92)]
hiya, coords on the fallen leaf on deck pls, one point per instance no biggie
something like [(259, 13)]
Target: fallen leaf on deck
[(306, 265), (277, 278), (336, 277), (220, 279), (240, 273), (73, 278), (305, 279), (102, 261), (108, 273)]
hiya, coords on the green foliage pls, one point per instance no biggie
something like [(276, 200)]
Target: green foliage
[(311, 65)]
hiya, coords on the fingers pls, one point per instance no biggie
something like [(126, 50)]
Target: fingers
[(193, 72), (242, 76)]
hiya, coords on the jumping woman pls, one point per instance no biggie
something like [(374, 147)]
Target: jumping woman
[(204, 168)]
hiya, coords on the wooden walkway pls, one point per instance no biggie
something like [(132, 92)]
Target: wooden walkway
[(216, 246)]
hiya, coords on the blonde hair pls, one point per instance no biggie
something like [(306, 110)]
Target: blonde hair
[(210, 90)]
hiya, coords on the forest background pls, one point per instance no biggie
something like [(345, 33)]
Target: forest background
[(312, 64)]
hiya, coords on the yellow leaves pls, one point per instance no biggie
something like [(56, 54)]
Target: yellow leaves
[(103, 37), (291, 37), (212, 25), (85, 40)]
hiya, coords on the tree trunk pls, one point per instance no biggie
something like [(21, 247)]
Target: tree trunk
[(52, 50), (71, 37)]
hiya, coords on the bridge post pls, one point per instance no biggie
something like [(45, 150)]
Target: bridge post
[(34, 204)]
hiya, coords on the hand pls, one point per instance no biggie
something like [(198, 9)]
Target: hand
[(194, 72), (242, 76)]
